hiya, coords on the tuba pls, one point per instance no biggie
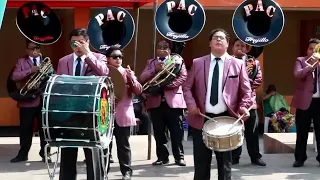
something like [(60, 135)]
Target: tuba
[(112, 26), (258, 22), (177, 21), (39, 24)]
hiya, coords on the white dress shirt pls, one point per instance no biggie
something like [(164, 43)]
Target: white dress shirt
[(221, 106), (165, 59), (37, 58), (75, 62)]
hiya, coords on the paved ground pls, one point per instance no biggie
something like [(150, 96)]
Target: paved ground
[(279, 165)]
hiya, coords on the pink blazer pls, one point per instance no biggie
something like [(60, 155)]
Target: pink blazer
[(255, 84), (173, 92), (304, 86), (96, 65), (125, 116), (236, 87), (21, 71)]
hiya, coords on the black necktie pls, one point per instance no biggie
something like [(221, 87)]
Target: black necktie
[(215, 84), (34, 61), (78, 67), (315, 80)]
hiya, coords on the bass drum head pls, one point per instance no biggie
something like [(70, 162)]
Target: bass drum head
[(118, 82), (38, 23), (105, 107)]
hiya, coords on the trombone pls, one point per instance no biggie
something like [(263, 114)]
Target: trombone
[(167, 67), (315, 55), (35, 80)]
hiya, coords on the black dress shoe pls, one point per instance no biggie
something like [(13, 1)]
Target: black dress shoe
[(19, 159), (180, 162), (160, 162), (235, 162), (127, 176), (298, 164), (258, 162)]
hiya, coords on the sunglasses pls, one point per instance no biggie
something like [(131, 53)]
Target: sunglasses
[(116, 57), (73, 44)]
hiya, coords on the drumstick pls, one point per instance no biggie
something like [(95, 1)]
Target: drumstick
[(207, 117), (239, 118)]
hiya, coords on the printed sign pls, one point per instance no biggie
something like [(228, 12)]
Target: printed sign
[(2, 8)]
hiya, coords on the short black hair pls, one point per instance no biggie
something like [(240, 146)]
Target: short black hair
[(271, 88), (28, 41), (165, 40), (79, 32), (314, 40), (235, 40), (111, 49), (217, 30)]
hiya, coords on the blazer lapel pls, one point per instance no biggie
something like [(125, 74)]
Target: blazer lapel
[(29, 61), (70, 65), (84, 69), (226, 70), (206, 70)]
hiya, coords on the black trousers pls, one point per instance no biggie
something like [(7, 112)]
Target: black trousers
[(303, 123), (68, 164), (165, 117), (251, 135), (202, 157), (143, 127), (122, 135), (27, 116)]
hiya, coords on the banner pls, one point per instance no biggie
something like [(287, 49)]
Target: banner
[(2, 8)]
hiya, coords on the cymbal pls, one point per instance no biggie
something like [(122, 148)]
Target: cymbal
[(119, 84)]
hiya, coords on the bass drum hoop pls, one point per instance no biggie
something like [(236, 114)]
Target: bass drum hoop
[(110, 127)]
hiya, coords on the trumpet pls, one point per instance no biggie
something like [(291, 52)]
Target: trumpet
[(36, 79), (315, 55), (250, 61)]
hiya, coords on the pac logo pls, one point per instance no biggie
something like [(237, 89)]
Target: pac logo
[(2, 8)]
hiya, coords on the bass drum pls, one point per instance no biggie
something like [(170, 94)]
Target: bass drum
[(78, 109)]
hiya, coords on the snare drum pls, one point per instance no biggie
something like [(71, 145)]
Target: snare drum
[(218, 137), (78, 108)]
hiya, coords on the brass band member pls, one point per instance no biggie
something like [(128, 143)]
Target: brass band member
[(251, 130), (124, 112), (30, 110), (307, 101), (166, 109), (207, 91), (82, 62)]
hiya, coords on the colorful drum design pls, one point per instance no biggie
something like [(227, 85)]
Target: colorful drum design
[(78, 108)]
